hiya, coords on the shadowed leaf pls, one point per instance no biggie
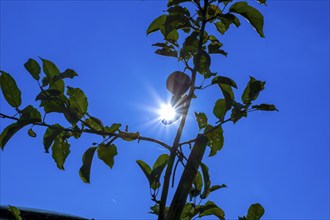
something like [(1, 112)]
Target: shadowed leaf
[(256, 211), (206, 179), (210, 208), (15, 212), (215, 139), (265, 107), (10, 90), (49, 68), (50, 135), (85, 169), (201, 119), (33, 68)]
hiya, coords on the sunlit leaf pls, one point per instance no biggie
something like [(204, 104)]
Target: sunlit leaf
[(15, 212), (129, 136), (146, 170), (10, 90), (210, 208), (252, 90), (201, 119), (33, 68), (254, 17), (156, 24), (256, 211), (206, 179), (60, 151), (224, 80), (85, 169), (215, 139), (107, 153), (94, 123), (49, 68), (113, 128)]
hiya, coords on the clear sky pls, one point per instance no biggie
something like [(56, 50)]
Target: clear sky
[(280, 160)]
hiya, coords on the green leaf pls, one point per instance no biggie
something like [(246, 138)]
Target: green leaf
[(167, 52), (50, 135), (107, 153), (252, 90), (228, 19), (198, 185), (214, 48), (210, 208), (220, 109), (60, 151), (216, 187), (114, 127), (221, 27), (49, 68), (203, 64), (78, 101), (187, 212), (156, 24), (159, 165), (31, 133), (224, 80), (215, 139), (237, 112), (33, 67), (228, 93), (15, 212), (254, 17), (201, 119), (265, 107), (256, 211), (129, 136), (10, 90), (8, 133), (85, 169), (94, 123), (207, 182), (146, 170), (69, 73), (176, 2), (29, 115)]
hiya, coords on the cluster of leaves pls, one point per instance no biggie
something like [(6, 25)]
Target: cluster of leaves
[(72, 103), (195, 52)]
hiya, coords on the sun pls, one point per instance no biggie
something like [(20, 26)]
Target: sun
[(167, 112)]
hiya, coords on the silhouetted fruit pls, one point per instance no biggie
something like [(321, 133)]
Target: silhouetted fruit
[(178, 83)]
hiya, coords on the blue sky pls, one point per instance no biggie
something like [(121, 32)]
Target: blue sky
[(280, 160)]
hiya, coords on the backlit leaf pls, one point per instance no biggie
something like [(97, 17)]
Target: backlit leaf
[(220, 109), (254, 17), (146, 170), (85, 169), (113, 128), (203, 64), (224, 80), (10, 90), (15, 212), (252, 90), (69, 73), (129, 136), (206, 179), (50, 135), (60, 151), (8, 133), (78, 100), (107, 153), (210, 208), (156, 24), (221, 27), (176, 2), (49, 68), (31, 133), (201, 119), (215, 139), (33, 68), (256, 211)]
